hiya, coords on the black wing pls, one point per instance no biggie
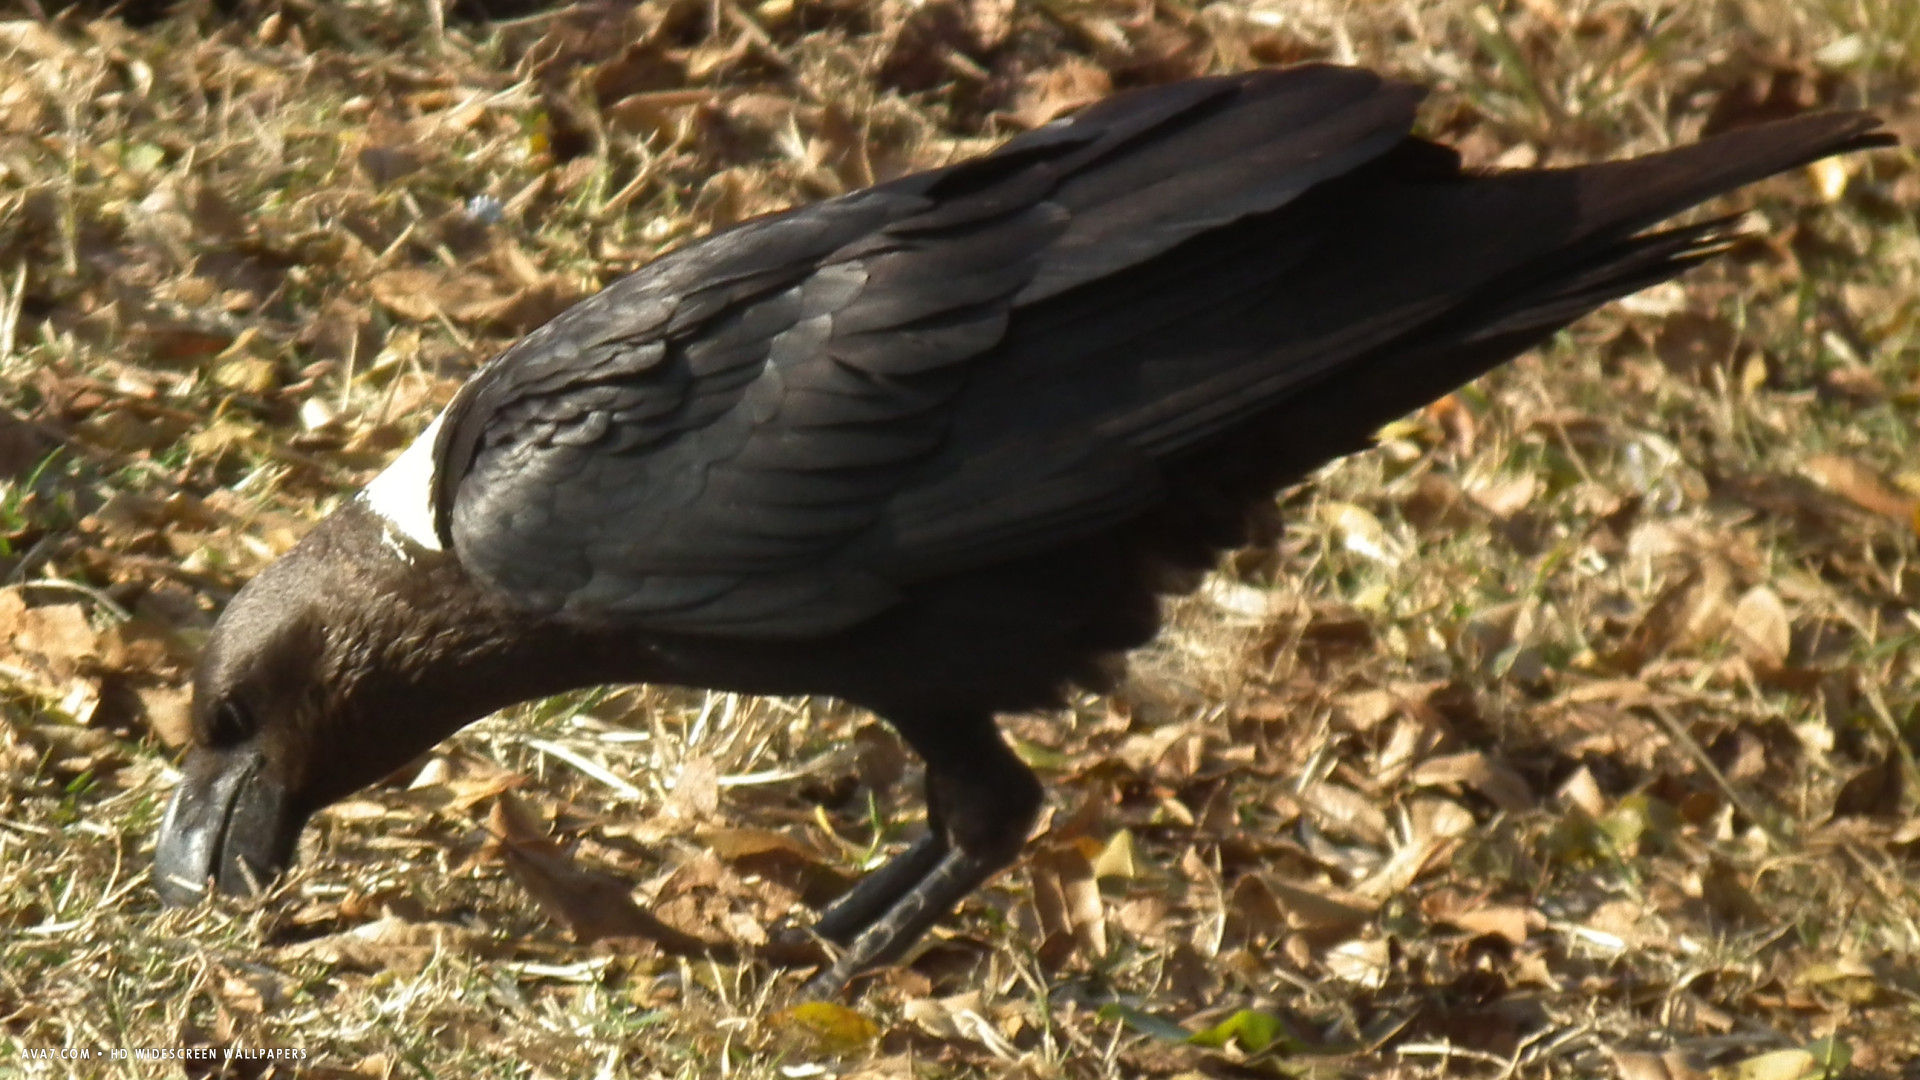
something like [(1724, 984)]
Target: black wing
[(770, 431), (775, 430)]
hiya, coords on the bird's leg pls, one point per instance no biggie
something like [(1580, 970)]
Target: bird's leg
[(869, 899), (872, 895), (981, 801)]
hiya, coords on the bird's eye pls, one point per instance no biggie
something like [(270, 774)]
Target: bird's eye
[(229, 724)]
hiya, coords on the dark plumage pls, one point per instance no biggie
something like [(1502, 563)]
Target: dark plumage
[(936, 447)]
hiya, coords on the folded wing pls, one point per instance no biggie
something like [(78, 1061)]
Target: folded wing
[(775, 431)]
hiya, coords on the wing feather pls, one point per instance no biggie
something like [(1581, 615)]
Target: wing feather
[(774, 430)]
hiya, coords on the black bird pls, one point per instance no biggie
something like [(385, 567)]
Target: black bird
[(936, 448)]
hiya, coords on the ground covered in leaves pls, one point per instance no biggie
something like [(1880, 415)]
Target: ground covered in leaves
[(1569, 733)]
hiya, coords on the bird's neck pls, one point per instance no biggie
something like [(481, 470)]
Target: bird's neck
[(454, 648)]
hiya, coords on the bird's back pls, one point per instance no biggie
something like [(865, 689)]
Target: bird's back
[(1089, 355)]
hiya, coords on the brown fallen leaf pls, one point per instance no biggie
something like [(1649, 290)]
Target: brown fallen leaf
[(1345, 812), (945, 1017), (1761, 628), (1688, 611), (696, 791), (1321, 909), (423, 295), (1473, 769), (643, 66), (1860, 384), (1504, 499), (1067, 899), (1436, 828), (1863, 486), (386, 944), (1874, 791), (592, 905), (1253, 912), (179, 344), (1582, 792), (1671, 1065), (658, 112), (1363, 963), (523, 310), (54, 638), (928, 44), (1056, 90), (168, 712), (1452, 414), (1508, 921), (1364, 710), (1691, 343), (466, 784), (991, 21), (386, 163), (734, 844), (1845, 979), (247, 992), (1158, 51)]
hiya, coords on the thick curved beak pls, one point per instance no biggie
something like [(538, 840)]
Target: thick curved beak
[(230, 823)]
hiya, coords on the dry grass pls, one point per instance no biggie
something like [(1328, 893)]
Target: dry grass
[(1569, 733)]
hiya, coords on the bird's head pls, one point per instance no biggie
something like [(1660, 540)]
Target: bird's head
[(339, 663)]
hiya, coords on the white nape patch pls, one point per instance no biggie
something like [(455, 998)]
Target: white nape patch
[(403, 493)]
